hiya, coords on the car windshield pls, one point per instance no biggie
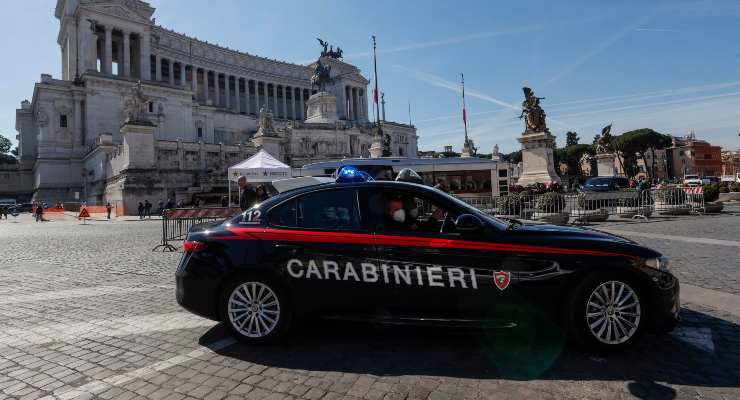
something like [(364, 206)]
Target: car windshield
[(499, 223)]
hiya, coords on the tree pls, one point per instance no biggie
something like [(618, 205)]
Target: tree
[(571, 156), (514, 157), (637, 143), (5, 145), (571, 138)]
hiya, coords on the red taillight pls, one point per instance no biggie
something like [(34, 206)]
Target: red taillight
[(191, 246)]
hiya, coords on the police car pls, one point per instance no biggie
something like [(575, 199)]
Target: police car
[(399, 252)]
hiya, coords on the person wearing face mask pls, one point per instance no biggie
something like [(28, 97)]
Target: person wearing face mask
[(397, 219)]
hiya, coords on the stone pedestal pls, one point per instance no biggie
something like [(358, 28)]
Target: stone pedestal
[(376, 148), (271, 144), (605, 164), (138, 145), (537, 158), (321, 108)]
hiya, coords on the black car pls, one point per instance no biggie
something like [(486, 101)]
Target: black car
[(395, 252), (605, 184)]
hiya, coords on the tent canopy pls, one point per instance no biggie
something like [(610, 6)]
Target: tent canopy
[(261, 167)]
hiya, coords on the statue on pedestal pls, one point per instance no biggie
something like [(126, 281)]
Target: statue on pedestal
[(603, 142), (533, 114), (135, 107), (330, 52), (321, 76), (265, 123)]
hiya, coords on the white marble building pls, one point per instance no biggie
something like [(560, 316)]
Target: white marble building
[(204, 103)]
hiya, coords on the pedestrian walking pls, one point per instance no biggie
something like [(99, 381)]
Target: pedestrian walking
[(247, 195), (148, 209), (107, 209), (141, 210), (39, 212)]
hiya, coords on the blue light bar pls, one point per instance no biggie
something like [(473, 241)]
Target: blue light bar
[(348, 174)]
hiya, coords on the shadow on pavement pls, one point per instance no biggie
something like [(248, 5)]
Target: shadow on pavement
[(513, 354)]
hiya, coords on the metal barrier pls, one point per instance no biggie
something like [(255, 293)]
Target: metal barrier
[(586, 207), (176, 222)]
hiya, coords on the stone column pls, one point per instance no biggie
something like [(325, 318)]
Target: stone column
[(145, 57), (227, 91), (183, 74), (216, 90), (108, 50), (257, 104), (302, 107), (126, 54), (274, 99), (205, 86), (237, 95), (171, 70), (194, 80), (285, 102), (247, 100), (350, 111), (354, 105), (158, 68)]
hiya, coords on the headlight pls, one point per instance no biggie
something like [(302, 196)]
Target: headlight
[(659, 263)]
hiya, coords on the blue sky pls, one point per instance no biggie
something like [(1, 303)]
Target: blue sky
[(672, 66)]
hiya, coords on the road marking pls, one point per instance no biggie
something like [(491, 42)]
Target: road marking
[(136, 325), (714, 299), (687, 239), (697, 337), (78, 292), (98, 386)]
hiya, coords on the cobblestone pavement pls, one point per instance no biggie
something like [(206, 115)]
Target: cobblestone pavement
[(88, 311)]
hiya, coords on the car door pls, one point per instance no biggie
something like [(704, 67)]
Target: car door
[(320, 246)]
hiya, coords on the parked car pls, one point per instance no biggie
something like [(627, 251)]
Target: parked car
[(605, 184), (692, 180)]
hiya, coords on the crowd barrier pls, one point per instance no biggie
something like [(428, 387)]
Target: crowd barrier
[(582, 208), (176, 222)]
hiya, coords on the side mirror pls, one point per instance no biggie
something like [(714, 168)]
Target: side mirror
[(468, 223)]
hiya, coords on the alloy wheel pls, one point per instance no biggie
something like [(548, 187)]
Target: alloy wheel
[(253, 309), (613, 312)]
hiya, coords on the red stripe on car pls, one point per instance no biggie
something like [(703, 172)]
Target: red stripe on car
[(308, 236)]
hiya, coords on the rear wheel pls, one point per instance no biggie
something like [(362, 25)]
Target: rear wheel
[(255, 310), (607, 312)]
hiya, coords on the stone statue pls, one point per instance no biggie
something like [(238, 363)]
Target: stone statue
[(387, 145), (135, 106), (321, 76), (495, 149), (325, 45), (265, 127), (533, 114), (603, 142)]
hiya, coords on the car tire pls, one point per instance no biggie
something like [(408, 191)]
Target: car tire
[(255, 310), (607, 312)]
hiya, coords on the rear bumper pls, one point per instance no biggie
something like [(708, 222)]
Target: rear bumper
[(196, 288)]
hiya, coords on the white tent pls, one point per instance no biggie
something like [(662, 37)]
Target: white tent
[(261, 167)]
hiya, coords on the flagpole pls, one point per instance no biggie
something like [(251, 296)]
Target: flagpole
[(465, 119), (375, 94)]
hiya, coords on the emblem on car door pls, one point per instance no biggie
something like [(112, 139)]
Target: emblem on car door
[(502, 279)]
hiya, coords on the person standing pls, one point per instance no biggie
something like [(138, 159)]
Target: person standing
[(147, 209), (39, 212), (141, 210), (108, 209), (247, 197)]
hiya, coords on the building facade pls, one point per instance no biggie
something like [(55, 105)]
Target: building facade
[(690, 155), (205, 103)]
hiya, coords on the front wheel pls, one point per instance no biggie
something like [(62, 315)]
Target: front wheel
[(255, 310), (606, 312)]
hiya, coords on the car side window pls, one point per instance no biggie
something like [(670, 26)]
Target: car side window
[(285, 215), (329, 210), (405, 212)]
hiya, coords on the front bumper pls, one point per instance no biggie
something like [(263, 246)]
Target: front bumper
[(666, 306)]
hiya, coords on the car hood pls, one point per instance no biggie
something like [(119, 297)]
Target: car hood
[(571, 232)]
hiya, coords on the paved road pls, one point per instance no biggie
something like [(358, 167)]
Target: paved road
[(88, 311)]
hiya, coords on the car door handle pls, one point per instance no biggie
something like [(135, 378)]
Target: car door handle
[(289, 248)]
